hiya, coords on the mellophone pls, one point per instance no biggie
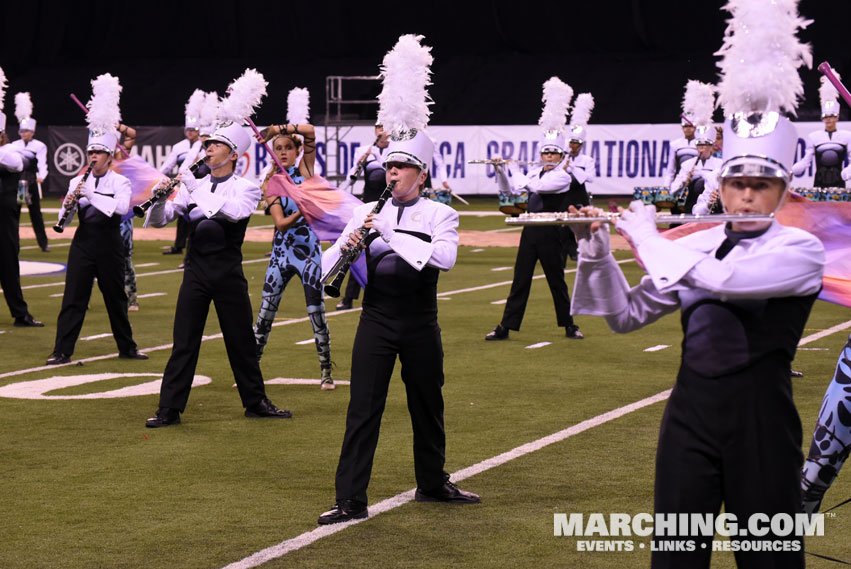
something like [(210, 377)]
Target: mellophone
[(567, 218), (824, 194)]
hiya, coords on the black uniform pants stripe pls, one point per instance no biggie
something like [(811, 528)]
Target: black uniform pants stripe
[(538, 244), (10, 270), (734, 440), (377, 343), (94, 258), (34, 207), (229, 294), (182, 234)]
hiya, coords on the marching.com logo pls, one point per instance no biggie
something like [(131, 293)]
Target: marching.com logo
[(688, 532)]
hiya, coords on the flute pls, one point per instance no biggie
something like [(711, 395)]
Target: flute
[(164, 192), (349, 256), (567, 218), (71, 203), (500, 161)]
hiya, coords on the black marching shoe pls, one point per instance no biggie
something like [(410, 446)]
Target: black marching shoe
[(134, 355), (498, 333), (266, 410), (449, 492), (343, 511), (173, 251), (28, 321), (164, 417), (345, 304), (573, 332), (58, 358)]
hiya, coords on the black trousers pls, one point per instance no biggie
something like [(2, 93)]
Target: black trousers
[(10, 270), (538, 244), (352, 288), (183, 228), (208, 280), (576, 196), (96, 252), (735, 439), (34, 207), (416, 340)]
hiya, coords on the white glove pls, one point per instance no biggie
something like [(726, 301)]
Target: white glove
[(384, 226), (189, 182), (596, 245), (88, 190), (846, 173), (638, 222)]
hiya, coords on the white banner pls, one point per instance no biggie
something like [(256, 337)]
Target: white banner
[(627, 156)]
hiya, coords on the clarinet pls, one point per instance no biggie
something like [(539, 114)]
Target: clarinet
[(164, 192), (349, 256), (362, 164), (72, 201)]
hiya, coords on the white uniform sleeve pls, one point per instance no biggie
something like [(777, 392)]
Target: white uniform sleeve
[(195, 153), (10, 159), (440, 253), (41, 156), (790, 264), (109, 205), (578, 171), (552, 182), (670, 169), (681, 176), (701, 206), (170, 160), (164, 212), (330, 255), (235, 204), (804, 163)]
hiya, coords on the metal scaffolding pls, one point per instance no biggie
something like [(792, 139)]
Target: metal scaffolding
[(341, 115)]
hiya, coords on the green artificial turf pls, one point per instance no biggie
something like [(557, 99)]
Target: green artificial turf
[(85, 485)]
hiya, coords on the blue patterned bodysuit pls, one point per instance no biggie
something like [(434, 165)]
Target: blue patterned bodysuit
[(831, 443), (295, 251)]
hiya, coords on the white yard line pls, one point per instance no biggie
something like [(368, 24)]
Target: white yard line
[(305, 342), (499, 269), (96, 337), (307, 538), (503, 301), (147, 265), (657, 348), (152, 294), (538, 345)]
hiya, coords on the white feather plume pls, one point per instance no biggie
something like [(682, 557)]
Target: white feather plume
[(243, 95), (104, 113), (405, 72), (699, 102), (760, 57), (582, 108), (557, 96), (210, 109), (298, 106), (23, 107), (827, 92), (2, 88), (193, 106)]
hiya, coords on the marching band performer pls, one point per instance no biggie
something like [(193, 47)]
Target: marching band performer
[(548, 185), (35, 164), (11, 165), (699, 175), (829, 147), (218, 208), (581, 167), (410, 241), (176, 158), (730, 432), (296, 250), (97, 249), (682, 148)]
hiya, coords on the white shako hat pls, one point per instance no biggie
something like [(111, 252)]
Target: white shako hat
[(404, 100), (24, 112), (556, 98), (209, 113), (759, 80), (827, 97), (2, 97), (193, 110), (582, 108), (243, 95), (699, 103), (104, 114)]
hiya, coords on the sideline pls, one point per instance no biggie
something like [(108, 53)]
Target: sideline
[(307, 538)]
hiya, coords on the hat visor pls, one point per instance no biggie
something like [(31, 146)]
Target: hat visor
[(405, 158), (552, 148), (753, 166), (218, 137)]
